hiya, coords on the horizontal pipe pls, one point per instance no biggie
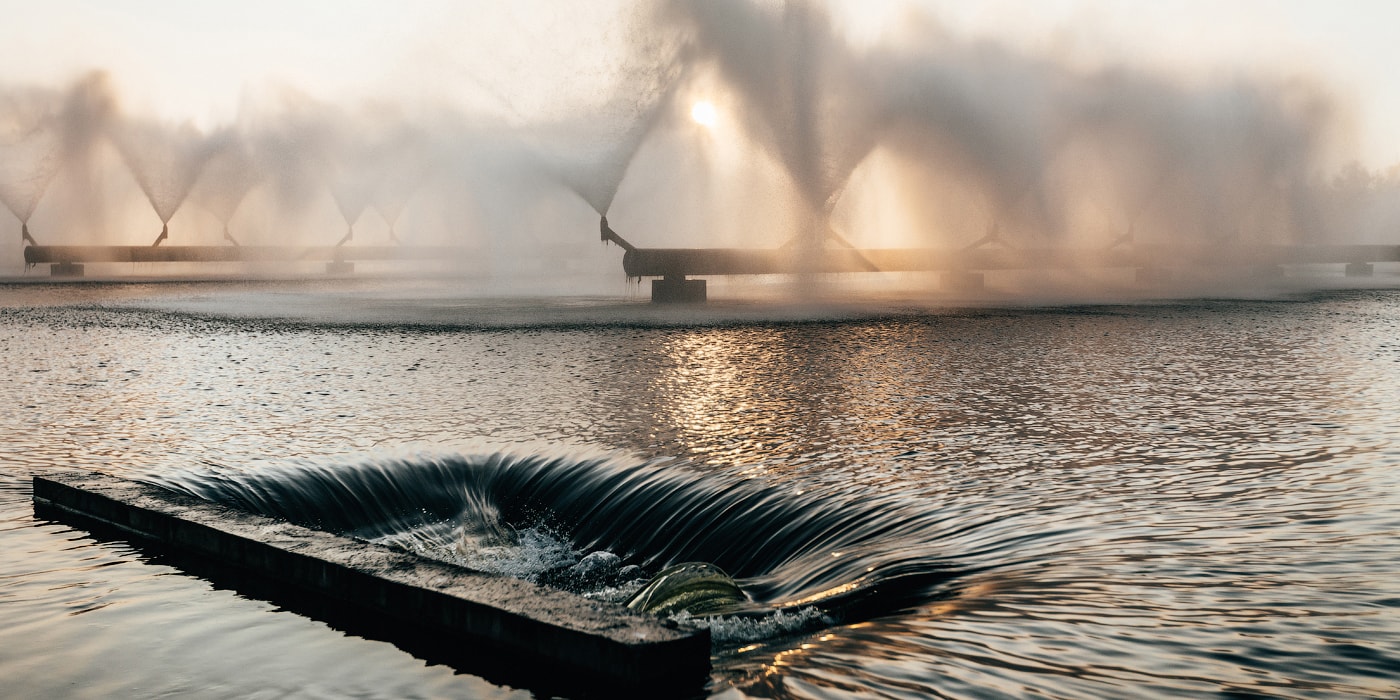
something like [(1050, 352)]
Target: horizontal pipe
[(37, 254), (679, 262)]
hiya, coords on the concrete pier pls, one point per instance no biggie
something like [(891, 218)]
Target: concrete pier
[(550, 636), (66, 269), (678, 290), (1360, 269)]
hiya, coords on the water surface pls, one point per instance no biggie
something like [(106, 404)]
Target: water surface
[(1190, 498)]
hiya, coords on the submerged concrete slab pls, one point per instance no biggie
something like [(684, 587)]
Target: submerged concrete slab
[(562, 634)]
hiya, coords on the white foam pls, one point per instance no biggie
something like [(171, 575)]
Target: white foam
[(737, 629), (533, 552), (617, 594)]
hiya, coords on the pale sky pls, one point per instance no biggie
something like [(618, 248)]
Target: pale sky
[(188, 60)]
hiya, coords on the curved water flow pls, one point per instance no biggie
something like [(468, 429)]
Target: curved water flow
[(1178, 500), (539, 516)]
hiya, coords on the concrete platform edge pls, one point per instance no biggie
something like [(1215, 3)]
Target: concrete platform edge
[(602, 642)]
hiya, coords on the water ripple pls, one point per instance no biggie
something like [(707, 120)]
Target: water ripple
[(1192, 499)]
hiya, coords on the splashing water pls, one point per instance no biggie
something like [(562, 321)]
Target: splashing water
[(808, 102), (1041, 146), (405, 164), (600, 526), (734, 630), (918, 137), (586, 129), (227, 178), (165, 161), (352, 188), (28, 162)]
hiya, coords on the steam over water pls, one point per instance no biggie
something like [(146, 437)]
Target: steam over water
[(1196, 498)]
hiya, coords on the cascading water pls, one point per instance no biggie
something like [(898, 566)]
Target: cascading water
[(599, 526)]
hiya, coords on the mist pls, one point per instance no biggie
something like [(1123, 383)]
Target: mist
[(922, 138)]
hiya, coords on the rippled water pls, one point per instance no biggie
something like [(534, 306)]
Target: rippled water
[(1193, 499)]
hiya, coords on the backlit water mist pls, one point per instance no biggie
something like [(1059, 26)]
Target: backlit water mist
[(916, 137), (1195, 498)]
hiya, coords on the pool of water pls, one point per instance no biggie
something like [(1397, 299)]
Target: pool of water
[(1193, 498)]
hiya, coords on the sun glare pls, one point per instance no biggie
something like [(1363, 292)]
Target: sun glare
[(704, 114)]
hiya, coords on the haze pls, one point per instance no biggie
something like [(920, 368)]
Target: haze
[(700, 123)]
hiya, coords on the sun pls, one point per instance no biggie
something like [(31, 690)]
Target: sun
[(704, 113)]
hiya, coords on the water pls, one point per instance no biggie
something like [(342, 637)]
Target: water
[(1195, 498)]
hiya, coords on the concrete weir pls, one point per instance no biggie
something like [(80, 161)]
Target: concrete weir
[(567, 643)]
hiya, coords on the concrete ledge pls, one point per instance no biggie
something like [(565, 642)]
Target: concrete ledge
[(566, 636)]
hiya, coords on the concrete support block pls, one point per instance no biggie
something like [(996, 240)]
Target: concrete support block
[(66, 269), (340, 267), (677, 290), (1360, 269)]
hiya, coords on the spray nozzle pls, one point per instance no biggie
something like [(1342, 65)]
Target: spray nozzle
[(611, 235)]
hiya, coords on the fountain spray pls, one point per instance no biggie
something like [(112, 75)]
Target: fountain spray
[(166, 162)]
